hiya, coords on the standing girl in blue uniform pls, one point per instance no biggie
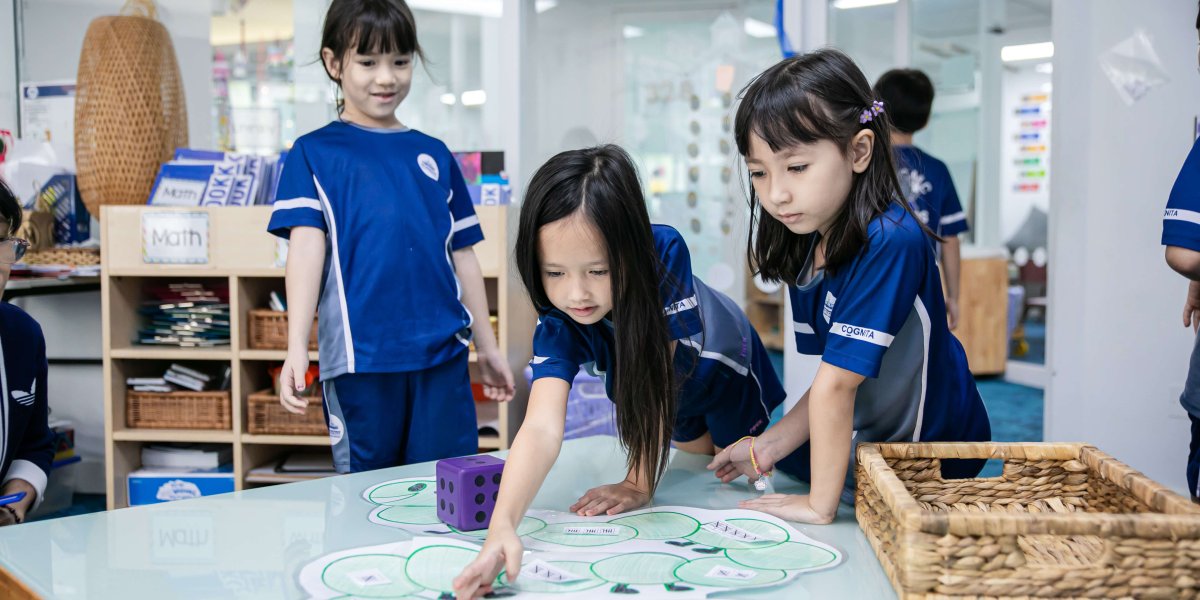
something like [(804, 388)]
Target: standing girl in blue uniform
[(829, 219), (616, 295), (381, 227)]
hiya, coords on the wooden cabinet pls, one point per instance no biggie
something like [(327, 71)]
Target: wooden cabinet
[(243, 256)]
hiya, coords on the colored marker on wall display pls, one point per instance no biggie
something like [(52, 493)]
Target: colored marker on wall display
[(1027, 162), (1029, 137), (1026, 187), (1033, 174), (1036, 149), (1029, 110)]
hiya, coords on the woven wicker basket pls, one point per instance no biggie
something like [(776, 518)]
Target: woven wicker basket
[(1064, 521), (178, 410), (269, 330), (266, 416), (130, 113)]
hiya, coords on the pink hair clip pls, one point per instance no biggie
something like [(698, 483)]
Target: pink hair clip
[(869, 113)]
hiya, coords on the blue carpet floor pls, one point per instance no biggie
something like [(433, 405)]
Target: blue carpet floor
[(82, 504)]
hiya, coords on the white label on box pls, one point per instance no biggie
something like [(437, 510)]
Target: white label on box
[(182, 537), (734, 532), (543, 571), (178, 192), (591, 530), (722, 572), (170, 237), (369, 577)]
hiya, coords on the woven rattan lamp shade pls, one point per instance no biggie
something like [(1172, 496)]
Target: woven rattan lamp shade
[(130, 113)]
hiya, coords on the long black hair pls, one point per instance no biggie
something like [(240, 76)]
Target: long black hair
[(803, 100), (369, 26), (601, 185)]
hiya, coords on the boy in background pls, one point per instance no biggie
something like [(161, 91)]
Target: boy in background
[(907, 95)]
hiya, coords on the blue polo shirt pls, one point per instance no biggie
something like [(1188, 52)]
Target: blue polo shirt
[(394, 206), (880, 316), (713, 358), (927, 186), (1181, 219)]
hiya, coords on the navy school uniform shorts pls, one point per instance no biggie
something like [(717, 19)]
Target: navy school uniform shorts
[(379, 420)]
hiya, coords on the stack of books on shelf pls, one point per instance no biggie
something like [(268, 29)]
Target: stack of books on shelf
[(179, 377), (296, 466), (186, 315), (213, 178), (186, 457)]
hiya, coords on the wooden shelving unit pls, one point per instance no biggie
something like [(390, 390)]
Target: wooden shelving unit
[(767, 314), (243, 255)]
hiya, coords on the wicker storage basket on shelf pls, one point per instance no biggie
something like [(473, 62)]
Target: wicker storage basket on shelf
[(1064, 521), (269, 330), (77, 257), (178, 410), (130, 114), (264, 415)]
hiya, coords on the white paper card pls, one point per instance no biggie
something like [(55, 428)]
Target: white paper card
[(544, 571), (591, 530), (722, 572), (734, 532)]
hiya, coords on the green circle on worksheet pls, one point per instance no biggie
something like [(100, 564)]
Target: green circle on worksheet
[(410, 491), (774, 533), (556, 533), (700, 572), (410, 515), (346, 575), (641, 568), (528, 525), (791, 556), (580, 569), (660, 525), (435, 567)]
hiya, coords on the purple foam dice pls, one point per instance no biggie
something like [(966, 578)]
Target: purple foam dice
[(466, 490)]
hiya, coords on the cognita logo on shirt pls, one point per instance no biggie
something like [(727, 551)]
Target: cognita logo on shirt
[(855, 332), (428, 165), (830, 300), (680, 306)]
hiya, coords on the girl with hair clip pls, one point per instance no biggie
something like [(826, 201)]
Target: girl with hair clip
[(829, 220), (616, 294)]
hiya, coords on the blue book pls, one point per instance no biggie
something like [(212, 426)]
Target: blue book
[(180, 185)]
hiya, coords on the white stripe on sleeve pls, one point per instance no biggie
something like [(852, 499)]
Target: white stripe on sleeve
[(954, 218), (462, 224), (682, 305), (297, 203), (1176, 214)]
